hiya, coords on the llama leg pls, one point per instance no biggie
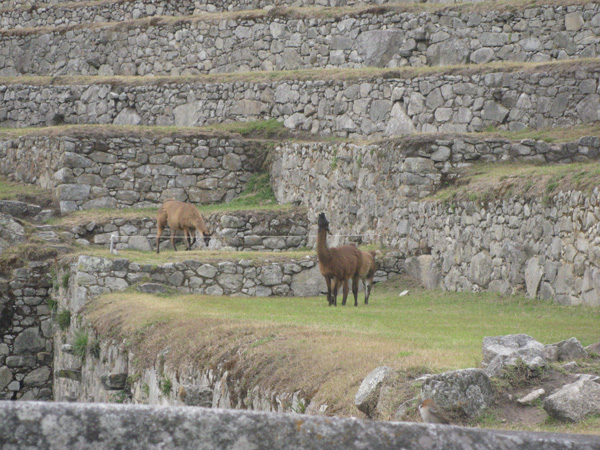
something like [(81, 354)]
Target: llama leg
[(187, 239), (355, 282), (159, 233), (336, 286), (173, 239), (345, 292), (328, 283)]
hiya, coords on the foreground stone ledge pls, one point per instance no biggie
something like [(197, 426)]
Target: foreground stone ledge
[(108, 426)]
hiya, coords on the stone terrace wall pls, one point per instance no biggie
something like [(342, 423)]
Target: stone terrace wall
[(364, 186), (196, 46), (239, 230), (544, 96), (53, 13), (143, 427), (256, 278), (114, 376), (547, 248), (114, 172), (26, 335), (550, 251)]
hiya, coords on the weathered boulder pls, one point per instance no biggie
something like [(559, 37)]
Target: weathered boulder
[(574, 402), (502, 351), (196, 395), (114, 381), (593, 348), (367, 396), (11, 232), (467, 391), (568, 350), (18, 209)]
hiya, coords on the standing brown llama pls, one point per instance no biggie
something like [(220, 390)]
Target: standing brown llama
[(337, 265), (367, 272), (180, 216)]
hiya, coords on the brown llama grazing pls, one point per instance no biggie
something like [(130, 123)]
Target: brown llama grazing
[(367, 272), (337, 265), (180, 216)]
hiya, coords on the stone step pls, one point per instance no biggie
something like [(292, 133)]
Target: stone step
[(21, 14), (257, 230), (304, 39), (371, 103)]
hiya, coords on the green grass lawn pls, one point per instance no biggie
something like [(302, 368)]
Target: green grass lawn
[(301, 343)]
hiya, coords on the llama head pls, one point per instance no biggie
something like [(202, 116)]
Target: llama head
[(207, 237), (323, 223)]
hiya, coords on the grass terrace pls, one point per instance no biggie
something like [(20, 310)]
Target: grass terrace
[(291, 344), (368, 73), (486, 182)]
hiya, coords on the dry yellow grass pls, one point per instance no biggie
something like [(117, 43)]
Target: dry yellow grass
[(368, 73), (291, 344)]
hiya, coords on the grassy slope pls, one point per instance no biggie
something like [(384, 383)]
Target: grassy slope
[(491, 182), (300, 343)]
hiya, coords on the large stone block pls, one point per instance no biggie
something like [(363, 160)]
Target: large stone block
[(368, 393), (29, 340), (574, 402), (469, 391), (137, 427)]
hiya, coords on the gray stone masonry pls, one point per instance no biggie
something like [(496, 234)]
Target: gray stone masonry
[(547, 248), (26, 335), (104, 426), (193, 46), (260, 277), (540, 96), (116, 172), (18, 13), (237, 230)]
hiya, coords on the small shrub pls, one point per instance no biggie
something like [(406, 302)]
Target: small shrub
[(520, 374), (80, 344), (166, 386), (65, 280), (146, 389), (300, 407), (63, 319), (52, 304), (95, 348), (118, 397)]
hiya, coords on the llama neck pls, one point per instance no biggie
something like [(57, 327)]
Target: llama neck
[(200, 226), (322, 249)]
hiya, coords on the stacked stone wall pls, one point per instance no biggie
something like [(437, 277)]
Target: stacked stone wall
[(117, 172), (538, 97), (260, 277), (26, 349), (239, 230), (547, 248), (363, 185), (16, 14), (196, 46)]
